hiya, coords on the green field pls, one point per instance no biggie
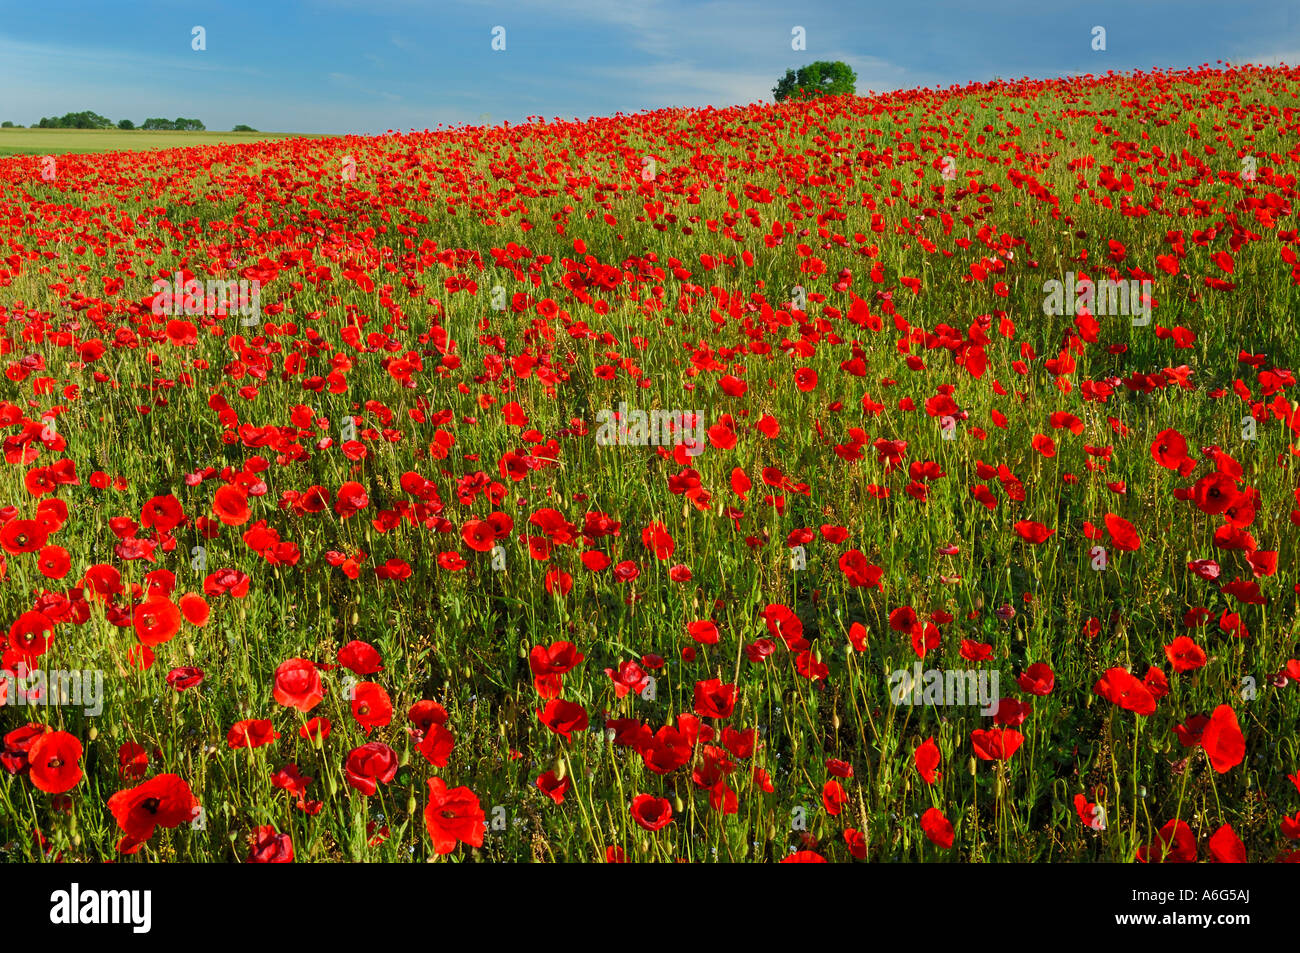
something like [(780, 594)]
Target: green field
[(62, 141)]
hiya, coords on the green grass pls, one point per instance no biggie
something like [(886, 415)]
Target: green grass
[(77, 141)]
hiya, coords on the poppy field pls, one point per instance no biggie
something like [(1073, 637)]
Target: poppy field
[(752, 484)]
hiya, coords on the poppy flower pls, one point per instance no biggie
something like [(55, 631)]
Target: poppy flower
[(298, 684), (478, 535), (1226, 847), (1174, 844), (650, 812), (165, 800), (1169, 449), (703, 631), (360, 657), (1091, 815), (937, 828), (22, 536), (370, 765), (1122, 534), (1032, 532), (437, 745), (184, 677), (30, 634), (156, 621), (251, 733), (804, 857), (834, 797), (1037, 679), (1184, 655), (928, 758), (371, 706), (563, 717), (54, 762), (453, 816), (713, 699), (230, 505), (552, 787), (53, 562), (270, 847), (1120, 687), (1222, 740)]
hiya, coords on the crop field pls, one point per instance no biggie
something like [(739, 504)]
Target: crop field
[(44, 142), (912, 477)]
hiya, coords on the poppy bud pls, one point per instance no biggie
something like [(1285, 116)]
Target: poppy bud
[(678, 804), (411, 804), (971, 765), (561, 769), (93, 733), (355, 617)]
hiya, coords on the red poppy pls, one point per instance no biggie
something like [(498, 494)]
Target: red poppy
[(156, 621), (937, 828), (371, 706), (230, 505), (361, 657), (251, 733), (650, 812), (996, 744), (298, 684), (563, 717), (713, 699), (1222, 740), (164, 800), (369, 766), (270, 847), (1032, 533), (54, 759), (453, 817)]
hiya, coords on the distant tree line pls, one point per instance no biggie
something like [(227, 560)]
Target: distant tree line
[(91, 120)]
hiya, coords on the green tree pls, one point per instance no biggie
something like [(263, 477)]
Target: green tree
[(153, 124), (6, 125), (82, 120), (243, 128), (125, 124), (822, 78)]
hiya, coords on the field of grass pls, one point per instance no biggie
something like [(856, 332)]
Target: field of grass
[(364, 579), (47, 142)]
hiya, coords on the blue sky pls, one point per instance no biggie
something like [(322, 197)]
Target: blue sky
[(366, 66)]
